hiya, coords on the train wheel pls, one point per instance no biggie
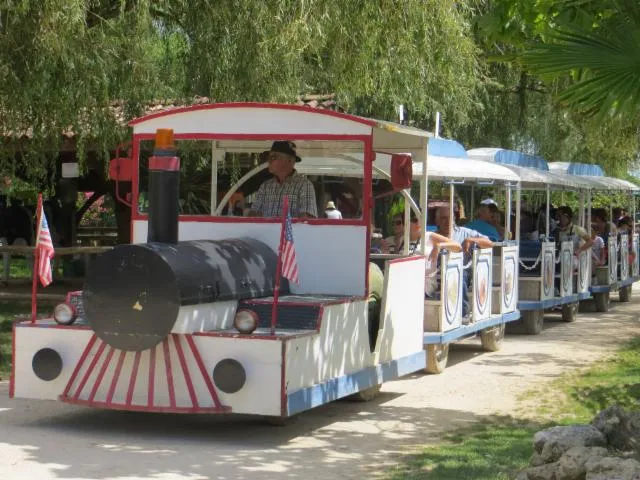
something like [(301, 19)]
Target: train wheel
[(366, 395), (625, 294), (492, 338), (437, 357), (533, 321), (569, 312), (602, 301)]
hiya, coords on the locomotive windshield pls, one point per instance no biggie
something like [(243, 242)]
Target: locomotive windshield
[(221, 178)]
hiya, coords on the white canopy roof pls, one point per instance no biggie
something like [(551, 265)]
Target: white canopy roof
[(533, 171), (600, 182), (438, 168)]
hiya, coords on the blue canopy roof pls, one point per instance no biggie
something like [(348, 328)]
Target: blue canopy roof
[(441, 147), (511, 157), (585, 169)]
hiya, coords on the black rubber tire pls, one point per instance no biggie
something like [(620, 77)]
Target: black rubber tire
[(366, 395), (569, 312), (376, 288), (602, 301), (624, 294), (491, 338), (437, 358), (533, 321)]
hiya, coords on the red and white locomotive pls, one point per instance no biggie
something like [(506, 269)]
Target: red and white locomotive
[(180, 319)]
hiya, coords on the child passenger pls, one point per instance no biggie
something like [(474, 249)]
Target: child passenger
[(597, 249)]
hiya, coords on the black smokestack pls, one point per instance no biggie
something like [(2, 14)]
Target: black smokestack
[(164, 189)]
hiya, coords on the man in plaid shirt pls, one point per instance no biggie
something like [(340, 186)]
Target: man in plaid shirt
[(286, 181)]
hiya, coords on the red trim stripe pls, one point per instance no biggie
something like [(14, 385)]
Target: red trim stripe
[(116, 376), (76, 370), (170, 164), (152, 376), (169, 372), (185, 371), (283, 376), (143, 408), (203, 371), (12, 376), (103, 370), (89, 371), (134, 376)]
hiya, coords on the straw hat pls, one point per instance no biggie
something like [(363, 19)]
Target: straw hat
[(330, 205)]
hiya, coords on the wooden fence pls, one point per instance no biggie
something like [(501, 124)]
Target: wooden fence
[(9, 251)]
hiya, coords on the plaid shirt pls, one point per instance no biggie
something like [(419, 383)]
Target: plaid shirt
[(270, 196)]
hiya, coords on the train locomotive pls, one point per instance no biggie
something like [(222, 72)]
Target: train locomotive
[(186, 327)]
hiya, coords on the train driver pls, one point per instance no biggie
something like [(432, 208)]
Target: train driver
[(286, 181)]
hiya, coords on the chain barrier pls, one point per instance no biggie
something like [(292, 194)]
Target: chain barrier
[(532, 266)]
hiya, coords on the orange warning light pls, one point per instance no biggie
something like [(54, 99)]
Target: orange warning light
[(164, 139)]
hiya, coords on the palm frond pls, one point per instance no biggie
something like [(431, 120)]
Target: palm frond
[(606, 61)]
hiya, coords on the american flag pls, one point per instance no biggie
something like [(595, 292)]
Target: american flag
[(44, 249), (289, 263)]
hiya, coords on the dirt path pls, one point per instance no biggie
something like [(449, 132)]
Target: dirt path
[(46, 440)]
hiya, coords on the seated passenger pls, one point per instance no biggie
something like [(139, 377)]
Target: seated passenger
[(462, 235), (487, 217), (466, 238), (625, 226), (395, 242), (332, 212), (286, 181), (598, 254), (567, 231), (600, 217)]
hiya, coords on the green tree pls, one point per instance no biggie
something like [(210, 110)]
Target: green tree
[(521, 109), (63, 62)]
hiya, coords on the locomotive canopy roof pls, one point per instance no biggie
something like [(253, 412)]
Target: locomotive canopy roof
[(273, 121)]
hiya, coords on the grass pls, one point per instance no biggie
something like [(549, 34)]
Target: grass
[(18, 268), (9, 311), (492, 450), (497, 449), (21, 267)]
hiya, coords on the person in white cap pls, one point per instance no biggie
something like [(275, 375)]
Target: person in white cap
[(332, 212)]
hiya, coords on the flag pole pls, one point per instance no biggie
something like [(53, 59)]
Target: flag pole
[(34, 279), (276, 292)]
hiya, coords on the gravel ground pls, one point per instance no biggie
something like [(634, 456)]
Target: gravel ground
[(47, 440)]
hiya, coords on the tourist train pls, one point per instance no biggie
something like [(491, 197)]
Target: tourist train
[(191, 317)]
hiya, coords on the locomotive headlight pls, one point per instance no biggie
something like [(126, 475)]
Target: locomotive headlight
[(246, 321), (64, 314)]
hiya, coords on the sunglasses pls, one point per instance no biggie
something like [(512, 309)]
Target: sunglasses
[(398, 222)]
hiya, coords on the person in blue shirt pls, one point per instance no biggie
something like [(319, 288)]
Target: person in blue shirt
[(486, 216)]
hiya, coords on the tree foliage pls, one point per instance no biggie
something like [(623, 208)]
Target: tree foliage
[(64, 62), (525, 110), (603, 58)]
